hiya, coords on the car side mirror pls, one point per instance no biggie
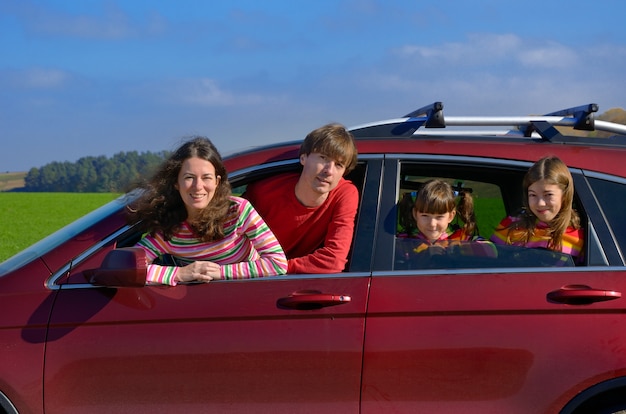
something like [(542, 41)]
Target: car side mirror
[(123, 267)]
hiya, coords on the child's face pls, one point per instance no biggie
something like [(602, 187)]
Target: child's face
[(432, 226), (545, 200)]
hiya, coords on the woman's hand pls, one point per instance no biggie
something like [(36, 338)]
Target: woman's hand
[(200, 271)]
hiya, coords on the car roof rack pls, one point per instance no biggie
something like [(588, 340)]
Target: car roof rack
[(429, 120)]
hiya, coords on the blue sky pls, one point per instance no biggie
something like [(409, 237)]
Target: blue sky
[(90, 77)]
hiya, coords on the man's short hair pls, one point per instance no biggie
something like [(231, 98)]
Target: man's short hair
[(334, 141)]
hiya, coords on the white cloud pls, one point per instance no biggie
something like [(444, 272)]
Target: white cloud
[(37, 78), (112, 23), (489, 49), (479, 49), (550, 55), (208, 92)]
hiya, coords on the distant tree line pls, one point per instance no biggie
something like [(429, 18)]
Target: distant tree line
[(94, 174)]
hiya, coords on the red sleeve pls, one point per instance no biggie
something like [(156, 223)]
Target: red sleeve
[(332, 257)]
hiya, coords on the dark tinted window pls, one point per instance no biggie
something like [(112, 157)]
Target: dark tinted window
[(612, 198), (495, 193), (485, 186)]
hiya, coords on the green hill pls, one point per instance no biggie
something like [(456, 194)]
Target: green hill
[(11, 180)]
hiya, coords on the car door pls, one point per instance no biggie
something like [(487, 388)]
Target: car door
[(226, 346), (490, 340), (283, 344)]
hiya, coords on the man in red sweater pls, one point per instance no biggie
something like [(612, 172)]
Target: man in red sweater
[(312, 213)]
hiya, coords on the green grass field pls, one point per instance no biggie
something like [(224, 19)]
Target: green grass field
[(489, 212), (29, 217)]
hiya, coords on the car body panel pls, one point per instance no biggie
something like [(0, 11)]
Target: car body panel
[(489, 342), (221, 346), (26, 307)]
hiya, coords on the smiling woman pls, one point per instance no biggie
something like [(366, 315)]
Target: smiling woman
[(188, 211)]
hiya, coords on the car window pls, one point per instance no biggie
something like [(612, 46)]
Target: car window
[(356, 176), (495, 196), (612, 198), (128, 237), (488, 204)]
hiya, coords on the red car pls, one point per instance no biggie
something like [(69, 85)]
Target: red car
[(80, 333)]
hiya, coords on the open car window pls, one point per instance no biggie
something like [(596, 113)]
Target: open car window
[(356, 176)]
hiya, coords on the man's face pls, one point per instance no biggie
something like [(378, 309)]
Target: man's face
[(321, 172)]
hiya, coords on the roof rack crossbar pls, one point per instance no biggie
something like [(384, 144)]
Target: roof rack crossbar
[(582, 114), (506, 120), (530, 126), (610, 127)]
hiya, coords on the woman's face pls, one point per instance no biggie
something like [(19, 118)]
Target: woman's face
[(196, 184), (545, 200)]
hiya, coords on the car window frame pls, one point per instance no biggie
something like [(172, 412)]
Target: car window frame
[(370, 165), (69, 275), (372, 249), (609, 243), (595, 243)]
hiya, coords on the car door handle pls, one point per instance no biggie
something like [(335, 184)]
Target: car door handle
[(581, 295), (312, 299)]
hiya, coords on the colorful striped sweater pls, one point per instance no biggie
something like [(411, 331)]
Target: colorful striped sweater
[(248, 250), (572, 243)]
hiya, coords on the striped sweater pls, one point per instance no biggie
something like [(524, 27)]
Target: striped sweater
[(248, 250), (572, 243)]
